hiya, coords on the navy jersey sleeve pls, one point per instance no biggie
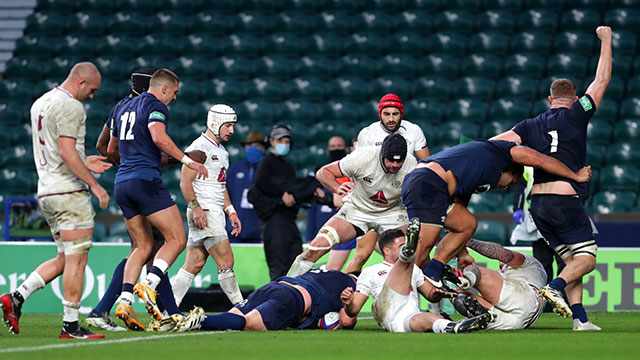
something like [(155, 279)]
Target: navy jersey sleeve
[(583, 109), (158, 112), (521, 129), (505, 147)]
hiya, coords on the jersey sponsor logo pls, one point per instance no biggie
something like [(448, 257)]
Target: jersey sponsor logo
[(379, 198), (156, 115), (222, 176), (586, 104), (382, 272), (214, 157), (367, 179)]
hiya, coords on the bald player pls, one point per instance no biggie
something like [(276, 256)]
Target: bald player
[(64, 180)]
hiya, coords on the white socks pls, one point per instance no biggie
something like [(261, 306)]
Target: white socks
[(34, 282), (229, 284), (70, 311), (440, 324), (127, 298), (181, 284), (152, 279), (300, 266)]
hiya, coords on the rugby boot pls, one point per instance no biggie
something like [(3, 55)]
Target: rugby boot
[(587, 326), (192, 321), (10, 312), (144, 292), (103, 322), (125, 313), (555, 298), (79, 333), (456, 277), (469, 325)]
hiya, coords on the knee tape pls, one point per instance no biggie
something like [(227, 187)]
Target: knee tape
[(78, 246), (563, 251), (584, 248), (70, 304), (328, 233)]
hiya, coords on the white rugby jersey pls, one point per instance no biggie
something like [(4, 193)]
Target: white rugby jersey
[(210, 191), (531, 272), (56, 113), (376, 190), (374, 134), (372, 279)]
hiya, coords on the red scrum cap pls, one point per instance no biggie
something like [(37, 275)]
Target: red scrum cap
[(390, 100)]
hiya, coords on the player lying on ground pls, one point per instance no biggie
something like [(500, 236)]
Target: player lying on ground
[(296, 302), (394, 284)]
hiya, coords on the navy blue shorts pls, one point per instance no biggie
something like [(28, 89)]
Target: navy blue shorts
[(279, 304), (561, 219), (137, 196), (426, 196), (349, 245)]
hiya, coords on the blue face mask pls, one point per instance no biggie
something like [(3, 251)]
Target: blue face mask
[(254, 154), (281, 149)]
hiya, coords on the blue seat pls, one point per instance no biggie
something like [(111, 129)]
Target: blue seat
[(623, 19), (87, 23), (212, 23), (391, 84), (29, 67), (439, 65), (236, 66), (627, 130), (491, 230), (256, 111), (436, 87), (203, 44), (339, 110), (630, 108), (397, 64), (278, 66), (17, 89), (567, 64), (451, 42), (408, 42), (127, 23), (315, 65), (353, 88), (513, 5), (487, 65), (450, 132), (542, 4), (624, 42), (474, 87), (596, 154), (356, 65), (616, 88), (326, 43), (454, 20), (347, 5), (509, 109), (580, 42), (430, 5), (73, 45), (466, 110), (415, 19), (606, 202), (283, 43), (160, 44), (623, 153), (489, 42), (147, 6), (494, 128), (269, 7), (50, 23), (580, 19), (183, 113), (265, 88), (620, 177), (524, 64), (34, 45), (246, 44), (426, 110), (496, 19), (608, 111), (531, 42), (336, 21), (538, 20), (193, 66), (310, 88), (386, 5), (298, 111), (119, 45), (13, 113), (295, 21), (374, 20), (599, 132), (517, 86), (253, 21)]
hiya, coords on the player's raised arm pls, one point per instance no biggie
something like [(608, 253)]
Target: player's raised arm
[(603, 72)]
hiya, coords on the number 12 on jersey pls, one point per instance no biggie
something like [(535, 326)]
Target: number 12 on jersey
[(126, 132), (554, 140)]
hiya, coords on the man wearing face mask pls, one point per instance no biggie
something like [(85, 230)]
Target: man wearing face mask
[(239, 179), (276, 195)]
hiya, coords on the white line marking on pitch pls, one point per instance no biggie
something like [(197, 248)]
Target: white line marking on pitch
[(60, 346)]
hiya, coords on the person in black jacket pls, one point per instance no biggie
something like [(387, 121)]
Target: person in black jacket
[(276, 196)]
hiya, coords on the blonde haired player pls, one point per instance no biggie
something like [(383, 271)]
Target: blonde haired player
[(208, 201)]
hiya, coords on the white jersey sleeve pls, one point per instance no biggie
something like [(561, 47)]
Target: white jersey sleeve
[(210, 191), (366, 283)]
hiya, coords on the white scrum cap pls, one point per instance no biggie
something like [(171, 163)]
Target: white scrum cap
[(220, 114)]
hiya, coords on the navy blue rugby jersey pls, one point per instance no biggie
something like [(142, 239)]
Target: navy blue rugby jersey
[(139, 155), (115, 110), (476, 163), (562, 134)]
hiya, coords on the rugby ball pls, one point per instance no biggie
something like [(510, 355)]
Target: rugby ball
[(330, 321)]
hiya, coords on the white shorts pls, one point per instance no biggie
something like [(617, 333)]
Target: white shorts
[(378, 222), (215, 228), (519, 306), (71, 211), (393, 311)]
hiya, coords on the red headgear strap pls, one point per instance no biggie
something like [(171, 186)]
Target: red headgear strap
[(390, 100)]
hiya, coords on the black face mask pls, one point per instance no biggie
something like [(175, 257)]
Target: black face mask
[(336, 155)]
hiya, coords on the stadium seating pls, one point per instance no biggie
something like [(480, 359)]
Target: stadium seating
[(606, 202), (434, 87), (491, 230), (627, 130), (623, 153), (620, 177), (599, 132), (425, 109), (474, 87)]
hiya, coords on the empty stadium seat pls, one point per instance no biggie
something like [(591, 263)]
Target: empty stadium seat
[(75, 45), (327, 43), (340, 110), (466, 110), (580, 42), (450, 132), (489, 42), (509, 109), (28, 67), (607, 111), (266, 88), (370, 43), (524, 64), (87, 23), (315, 65), (474, 87), (454, 20), (252, 21), (627, 130), (213, 23), (596, 155), (408, 42), (33, 45), (298, 111), (236, 66), (567, 64), (623, 19), (439, 65), (294, 21), (353, 88), (599, 132), (425, 109), (347, 5), (620, 177), (181, 113), (538, 20), (491, 199), (491, 230), (17, 89), (127, 23), (415, 19), (496, 19), (615, 89), (13, 113), (531, 42), (517, 86), (374, 20), (310, 88), (146, 6), (435, 87), (630, 108), (620, 153), (624, 42), (606, 202), (391, 84), (397, 64), (494, 128), (582, 19), (447, 42), (336, 21), (356, 65), (487, 65), (120, 45), (50, 23), (256, 111), (283, 43), (246, 44)]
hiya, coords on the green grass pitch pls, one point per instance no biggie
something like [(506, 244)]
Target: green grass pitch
[(550, 338)]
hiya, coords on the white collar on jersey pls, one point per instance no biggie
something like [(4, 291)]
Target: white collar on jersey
[(204, 134)]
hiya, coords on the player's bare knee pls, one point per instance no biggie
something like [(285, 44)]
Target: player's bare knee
[(225, 264)]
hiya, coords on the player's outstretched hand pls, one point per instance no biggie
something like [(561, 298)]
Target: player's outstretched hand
[(200, 169), (200, 218), (604, 33), (235, 224), (584, 174), (346, 188), (347, 296), (102, 195), (97, 164)]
